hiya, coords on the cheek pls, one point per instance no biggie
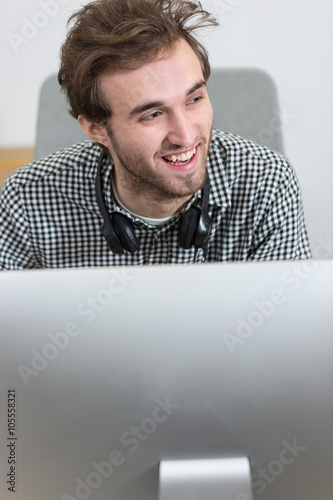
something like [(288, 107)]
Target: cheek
[(150, 141), (208, 115), (203, 119), (140, 147)]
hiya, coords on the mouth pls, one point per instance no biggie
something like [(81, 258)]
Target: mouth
[(185, 159)]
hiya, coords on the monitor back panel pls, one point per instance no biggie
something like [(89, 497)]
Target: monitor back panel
[(104, 372)]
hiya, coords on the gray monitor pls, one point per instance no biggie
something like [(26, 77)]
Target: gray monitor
[(167, 382)]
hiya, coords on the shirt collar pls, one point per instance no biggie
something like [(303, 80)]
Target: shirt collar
[(220, 194)]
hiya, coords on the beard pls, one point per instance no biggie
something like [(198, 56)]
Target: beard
[(141, 176)]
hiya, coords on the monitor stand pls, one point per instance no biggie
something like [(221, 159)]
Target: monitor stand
[(205, 479)]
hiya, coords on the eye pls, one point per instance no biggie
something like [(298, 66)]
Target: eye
[(195, 99), (151, 117)]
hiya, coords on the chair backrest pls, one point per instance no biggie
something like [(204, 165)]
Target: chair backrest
[(245, 102), (56, 128)]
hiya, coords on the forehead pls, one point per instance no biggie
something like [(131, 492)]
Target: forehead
[(164, 79)]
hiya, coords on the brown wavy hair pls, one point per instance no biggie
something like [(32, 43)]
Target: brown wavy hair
[(114, 35)]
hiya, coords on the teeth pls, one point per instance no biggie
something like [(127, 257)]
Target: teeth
[(183, 157)]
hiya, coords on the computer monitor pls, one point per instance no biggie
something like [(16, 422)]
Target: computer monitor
[(114, 380)]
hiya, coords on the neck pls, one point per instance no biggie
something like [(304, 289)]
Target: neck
[(148, 205)]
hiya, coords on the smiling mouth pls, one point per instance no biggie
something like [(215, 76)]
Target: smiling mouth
[(181, 159)]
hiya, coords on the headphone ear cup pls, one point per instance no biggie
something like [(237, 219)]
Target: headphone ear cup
[(117, 228), (125, 232), (111, 237), (188, 227), (203, 232)]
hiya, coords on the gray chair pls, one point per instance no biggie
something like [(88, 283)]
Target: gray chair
[(244, 101)]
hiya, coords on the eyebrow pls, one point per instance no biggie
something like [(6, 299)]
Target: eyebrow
[(156, 104)]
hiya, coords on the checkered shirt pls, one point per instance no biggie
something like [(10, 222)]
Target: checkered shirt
[(49, 216)]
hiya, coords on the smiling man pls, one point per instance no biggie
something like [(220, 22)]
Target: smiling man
[(158, 138), (154, 183)]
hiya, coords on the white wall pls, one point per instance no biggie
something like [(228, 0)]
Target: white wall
[(291, 39), (31, 35)]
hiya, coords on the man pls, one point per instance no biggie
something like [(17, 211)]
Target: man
[(155, 184)]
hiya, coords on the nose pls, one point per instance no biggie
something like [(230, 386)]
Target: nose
[(181, 129)]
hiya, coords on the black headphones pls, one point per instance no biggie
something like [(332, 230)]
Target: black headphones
[(119, 233)]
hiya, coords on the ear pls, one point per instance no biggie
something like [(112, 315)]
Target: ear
[(93, 130)]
